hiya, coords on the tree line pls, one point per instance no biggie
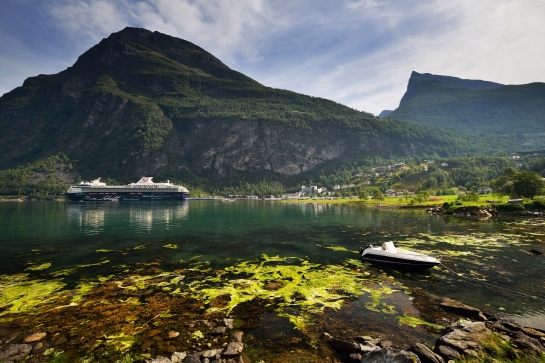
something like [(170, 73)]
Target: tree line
[(50, 177)]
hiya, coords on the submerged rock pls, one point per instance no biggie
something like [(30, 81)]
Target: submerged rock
[(232, 352), (35, 337), (463, 309), (15, 353)]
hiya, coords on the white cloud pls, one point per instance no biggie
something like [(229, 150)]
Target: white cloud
[(92, 18), (226, 28), (356, 52), (490, 40)]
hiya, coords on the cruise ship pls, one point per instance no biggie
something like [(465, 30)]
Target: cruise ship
[(143, 190)]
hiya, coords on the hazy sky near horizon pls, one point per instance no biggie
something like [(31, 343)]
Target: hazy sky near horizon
[(359, 53)]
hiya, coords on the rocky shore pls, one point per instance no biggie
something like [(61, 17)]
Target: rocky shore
[(463, 338), (482, 212), (467, 337)]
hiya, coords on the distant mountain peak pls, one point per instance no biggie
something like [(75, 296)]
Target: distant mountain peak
[(385, 113), (421, 81), (119, 43), (514, 113)]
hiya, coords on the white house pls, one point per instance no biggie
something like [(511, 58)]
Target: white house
[(296, 195), (484, 190), (312, 189)]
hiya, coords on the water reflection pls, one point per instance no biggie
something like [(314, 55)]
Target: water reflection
[(146, 219), (92, 219)]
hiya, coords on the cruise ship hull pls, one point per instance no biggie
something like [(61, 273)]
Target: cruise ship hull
[(143, 190), (126, 196)]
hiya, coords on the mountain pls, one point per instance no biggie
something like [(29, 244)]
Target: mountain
[(145, 103), (514, 112), (384, 113), (422, 83)]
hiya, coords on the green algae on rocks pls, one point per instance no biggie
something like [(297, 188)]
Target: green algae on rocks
[(296, 287), (414, 322), (19, 294), (38, 267)]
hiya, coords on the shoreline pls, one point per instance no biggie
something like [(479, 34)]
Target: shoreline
[(218, 336)]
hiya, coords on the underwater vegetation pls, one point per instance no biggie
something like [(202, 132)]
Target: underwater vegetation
[(114, 312), (295, 286), (117, 313), (20, 294)]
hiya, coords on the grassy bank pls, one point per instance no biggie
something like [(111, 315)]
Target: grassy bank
[(484, 201)]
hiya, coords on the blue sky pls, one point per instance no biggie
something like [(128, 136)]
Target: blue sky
[(356, 52)]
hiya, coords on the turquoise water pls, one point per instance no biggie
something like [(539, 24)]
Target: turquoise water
[(487, 264)]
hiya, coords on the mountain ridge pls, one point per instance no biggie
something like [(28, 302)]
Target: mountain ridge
[(486, 108), (145, 103), (417, 79)]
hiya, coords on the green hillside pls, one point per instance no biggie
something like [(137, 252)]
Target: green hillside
[(515, 113), (144, 103)]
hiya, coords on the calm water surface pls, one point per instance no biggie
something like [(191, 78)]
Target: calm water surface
[(486, 263)]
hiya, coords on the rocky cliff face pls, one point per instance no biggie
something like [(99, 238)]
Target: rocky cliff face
[(243, 145)]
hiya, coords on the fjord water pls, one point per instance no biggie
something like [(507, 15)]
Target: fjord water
[(487, 263)]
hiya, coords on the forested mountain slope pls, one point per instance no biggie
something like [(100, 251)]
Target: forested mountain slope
[(145, 103), (516, 113)]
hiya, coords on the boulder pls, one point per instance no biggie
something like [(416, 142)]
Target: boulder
[(426, 355), (447, 352), (534, 333), (525, 342), (390, 355), (35, 337), (464, 337), (40, 347), (345, 346), (173, 334), (232, 349), (462, 309), (237, 336), (368, 347), (220, 330), (193, 358), (228, 323), (354, 358), (178, 357), (161, 360), (212, 353), (15, 352)]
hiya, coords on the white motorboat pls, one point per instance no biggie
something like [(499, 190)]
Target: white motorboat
[(389, 256)]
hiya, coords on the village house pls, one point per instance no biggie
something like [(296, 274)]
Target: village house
[(312, 190), (344, 186), (393, 193), (484, 190), (295, 195)]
